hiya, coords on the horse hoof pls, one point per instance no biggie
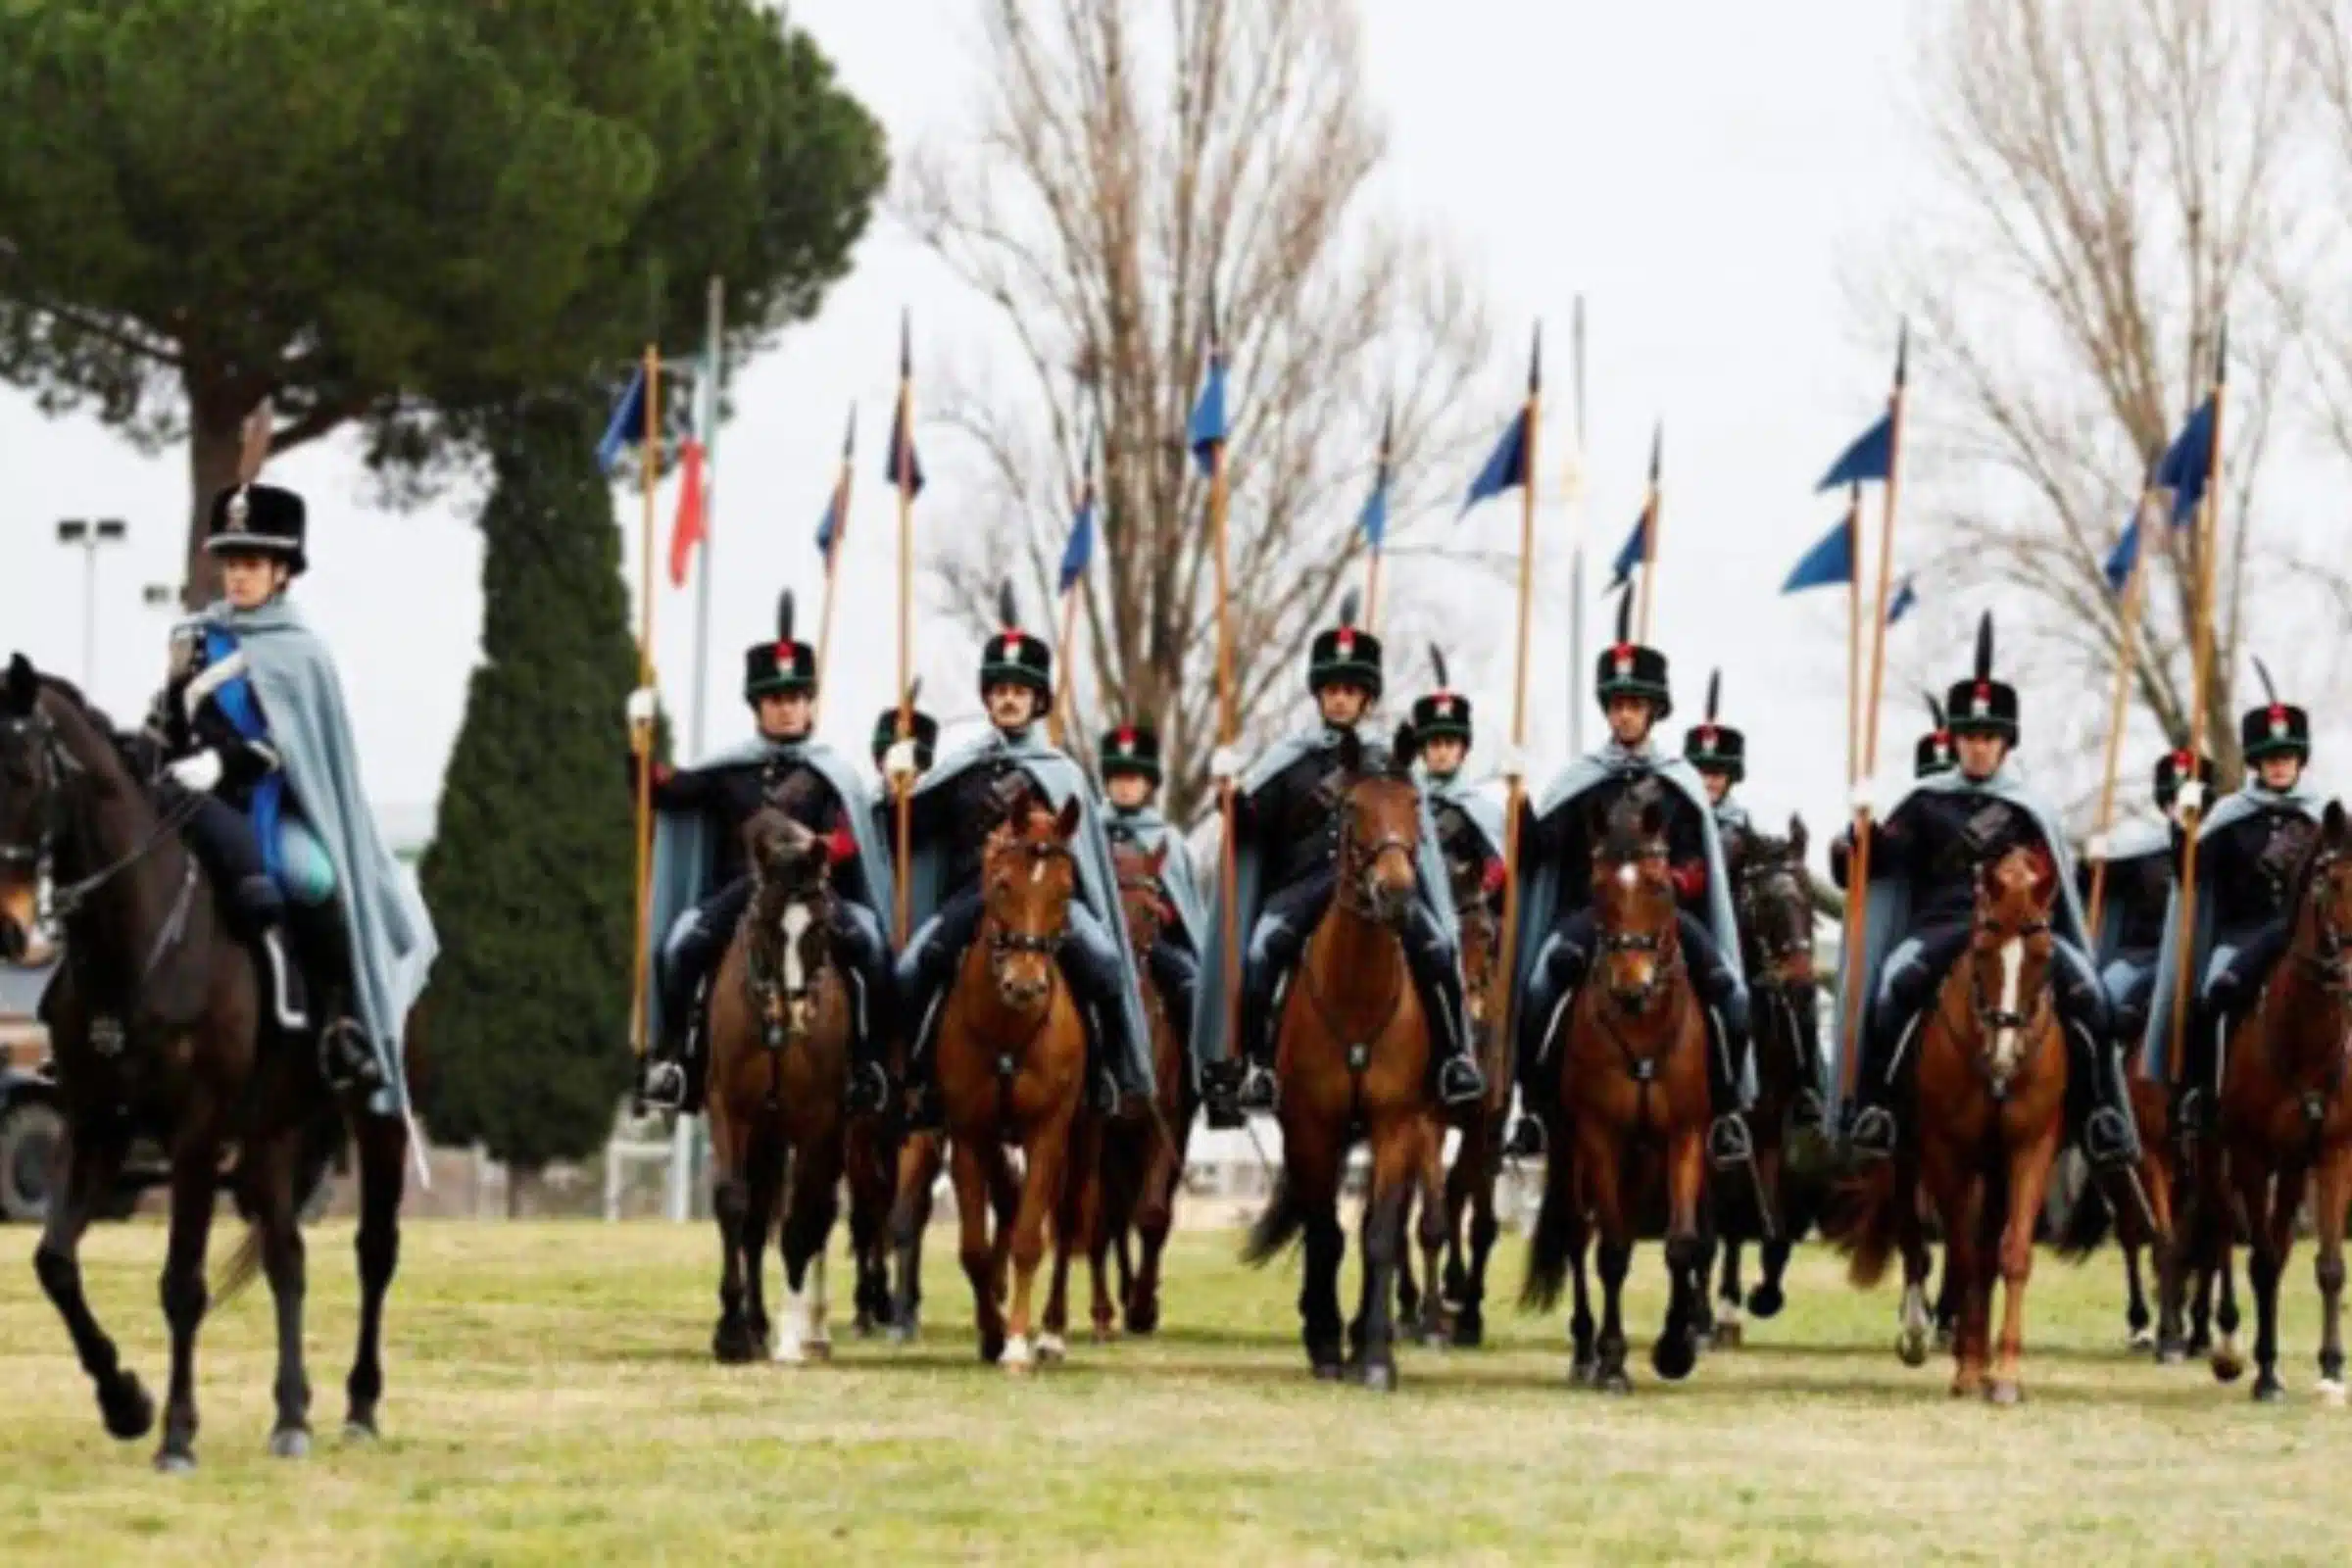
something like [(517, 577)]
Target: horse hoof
[(2330, 1392), (2171, 1352), (1050, 1348), (290, 1442), (1583, 1373), (1911, 1347), (2005, 1393), (902, 1333), (1728, 1336), (1765, 1301), (1106, 1332), (357, 1431), (175, 1462), (1144, 1318), (2228, 1366), (2143, 1339), (1379, 1377), (1330, 1371), (1469, 1332), (2268, 1390), (129, 1413), (1614, 1380), (1673, 1357), (1943, 1337), (1019, 1358)]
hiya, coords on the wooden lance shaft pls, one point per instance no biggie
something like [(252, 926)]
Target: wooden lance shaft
[(1651, 522), (1513, 785), (1057, 722), (1372, 591), (902, 871), (2186, 938), (2125, 661), (1229, 890), (824, 623), (649, 470), (1853, 639)]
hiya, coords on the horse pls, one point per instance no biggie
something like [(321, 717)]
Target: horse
[(1987, 1114), (1631, 1107), (782, 1016), (1353, 1061), (2284, 1115), (1772, 896), (1011, 1064), (1469, 1186), (870, 1154), (158, 1028)]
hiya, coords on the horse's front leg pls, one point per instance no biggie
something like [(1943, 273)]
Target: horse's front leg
[(1436, 1231), (2029, 1185), (1470, 1318), (1597, 1165), (285, 1264), (730, 1210), (919, 1163), (1396, 1165), (84, 1168), (185, 1295), (382, 1144), (1676, 1351), (2272, 1229), (2330, 1193), (966, 1163), (1048, 1153), (1155, 1217)]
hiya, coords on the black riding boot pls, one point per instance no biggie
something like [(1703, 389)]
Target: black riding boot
[(1177, 974), (1870, 1134), (1095, 978), (1456, 1078), (1807, 1112), (1256, 1089), (347, 1059), (923, 977), (2108, 1131), (861, 952), (1731, 1142), (1550, 985)]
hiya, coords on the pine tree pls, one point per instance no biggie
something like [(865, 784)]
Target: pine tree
[(530, 870)]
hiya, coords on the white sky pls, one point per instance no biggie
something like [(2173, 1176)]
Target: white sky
[(1700, 172)]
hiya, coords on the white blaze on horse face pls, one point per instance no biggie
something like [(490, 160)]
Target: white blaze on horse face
[(1628, 875), (794, 925), (2013, 972)]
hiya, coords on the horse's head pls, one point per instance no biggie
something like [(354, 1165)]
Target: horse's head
[(791, 911), (1775, 899), (31, 775), (1380, 832), (1030, 876), (1140, 896), (2326, 902), (1633, 899), (2009, 958)]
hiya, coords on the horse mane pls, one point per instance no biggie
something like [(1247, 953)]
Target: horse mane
[(2306, 868), (104, 743), (1623, 836)]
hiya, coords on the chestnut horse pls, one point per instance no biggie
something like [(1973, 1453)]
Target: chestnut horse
[(1987, 1114), (1353, 1061), (2284, 1115), (1630, 1106), (781, 1015), (1011, 1064), (158, 1027)]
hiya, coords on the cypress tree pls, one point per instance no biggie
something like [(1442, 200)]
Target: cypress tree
[(530, 870)]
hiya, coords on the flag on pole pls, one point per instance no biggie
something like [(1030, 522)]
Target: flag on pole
[(1506, 464), (1208, 430), (1374, 518), (692, 525), (1635, 549), (1906, 598), (626, 430), (902, 438), (1828, 564), (1867, 458), (830, 527), (1080, 550), (2187, 463), (2125, 555)]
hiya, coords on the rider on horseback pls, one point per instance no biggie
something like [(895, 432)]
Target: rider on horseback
[(1128, 758), (2143, 858), (701, 883), (252, 714), (2250, 849), (1285, 811), (1924, 859), (955, 808), (1469, 823), (1558, 925)]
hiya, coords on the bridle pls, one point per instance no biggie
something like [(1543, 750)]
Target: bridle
[(1005, 942), (1358, 859), (1670, 952), (37, 860), (1765, 883), (784, 1009), (2331, 964), (1993, 1021)]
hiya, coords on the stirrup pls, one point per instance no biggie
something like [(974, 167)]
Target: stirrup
[(2107, 1139), (661, 1086), (1221, 1095), (1873, 1135), (1806, 1112), (1729, 1143), (867, 1091), (1256, 1089), (1459, 1082), (1526, 1140), (346, 1060)]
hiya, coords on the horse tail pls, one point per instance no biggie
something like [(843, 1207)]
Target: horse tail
[(322, 1142), (2086, 1223), (1868, 1228), (1276, 1227), (1549, 1251)]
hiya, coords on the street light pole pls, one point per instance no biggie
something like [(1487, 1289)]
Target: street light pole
[(88, 534)]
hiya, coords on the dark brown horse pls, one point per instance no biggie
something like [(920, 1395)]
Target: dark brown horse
[(1988, 1116), (1629, 1110), (1352, 1059), (2284, 1115), (158, 1029), (781, 1013), (1477, 1154), (1013, 1073)]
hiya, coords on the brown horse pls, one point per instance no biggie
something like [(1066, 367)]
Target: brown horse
[(1989, 1117), (781, 1024), (1011, 1064), (1478, 1155), (1631, 1107), (1353, 1061), (158, 1029), (2285, 1114)]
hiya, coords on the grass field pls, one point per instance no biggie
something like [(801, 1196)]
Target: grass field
[(551, 1399)]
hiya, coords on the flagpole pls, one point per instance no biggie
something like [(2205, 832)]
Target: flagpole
[(1372, 592), (1650, 524), (841, 529), (1513, 784), (1228, 801), (1057, 722), (1857, 887), (1853, 637), (905, 438), (714, 324), (1576, 556), (2126, 661), (650, 474), (2208, 533)]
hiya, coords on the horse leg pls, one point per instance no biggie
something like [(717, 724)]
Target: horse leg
[(919, 1164), (1155, 1216), (870, 1170), (2226, 1318), (1730, 1295), (1462, 1181), (1397, 1169), (185, 1296), (1065, 1205), (1102, 1210), (805, 1334), (778, 1172), (1915, 1323), (2330, 1194), (1047, 1157), (285, 1264), (87, 1166), (2028, 1183), (1314, 1187), (1470, 1320), (964, 1164), (731, 1211), (1597, 1162), (382, 1155), (1437, 1232), (1688, 1250), (2272, 1230), (2139, 1334)]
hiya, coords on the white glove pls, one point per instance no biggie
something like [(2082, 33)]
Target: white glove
[(1224, 764), (199, 773), (643, 704), (2094, 848), (1862, 800), (1511, 762), (2191, 797), (899, 764)]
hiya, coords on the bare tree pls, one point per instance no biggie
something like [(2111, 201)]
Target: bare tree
[(2324, 28), (2114, 176), (1131, 161)]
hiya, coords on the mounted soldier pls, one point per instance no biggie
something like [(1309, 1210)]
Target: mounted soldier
[(1469, 823), (1719, 755), (1556, 921), (1927, 854), (1128, 760), (2142, 859), (253, 719), (702, 882), (922, 745), (2250, 853), (955, 807), (1287, 819)]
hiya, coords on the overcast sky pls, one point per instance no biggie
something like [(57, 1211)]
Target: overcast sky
[(1698, 170)]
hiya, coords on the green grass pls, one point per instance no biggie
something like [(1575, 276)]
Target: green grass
[(552, 1399)]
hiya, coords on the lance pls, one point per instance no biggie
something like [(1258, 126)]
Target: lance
[(2208, 531), (649, 474), (2127, 660), (833, 537), (1651, 520), (1374, 523), (1513, 782), (1074, 558), (1853, 636), (1857, 885), (1228, 801), (902, 474)]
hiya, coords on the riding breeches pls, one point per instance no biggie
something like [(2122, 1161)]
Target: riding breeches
[(699, 938), (1291, 915), (1566, 958), (1917, 966)]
